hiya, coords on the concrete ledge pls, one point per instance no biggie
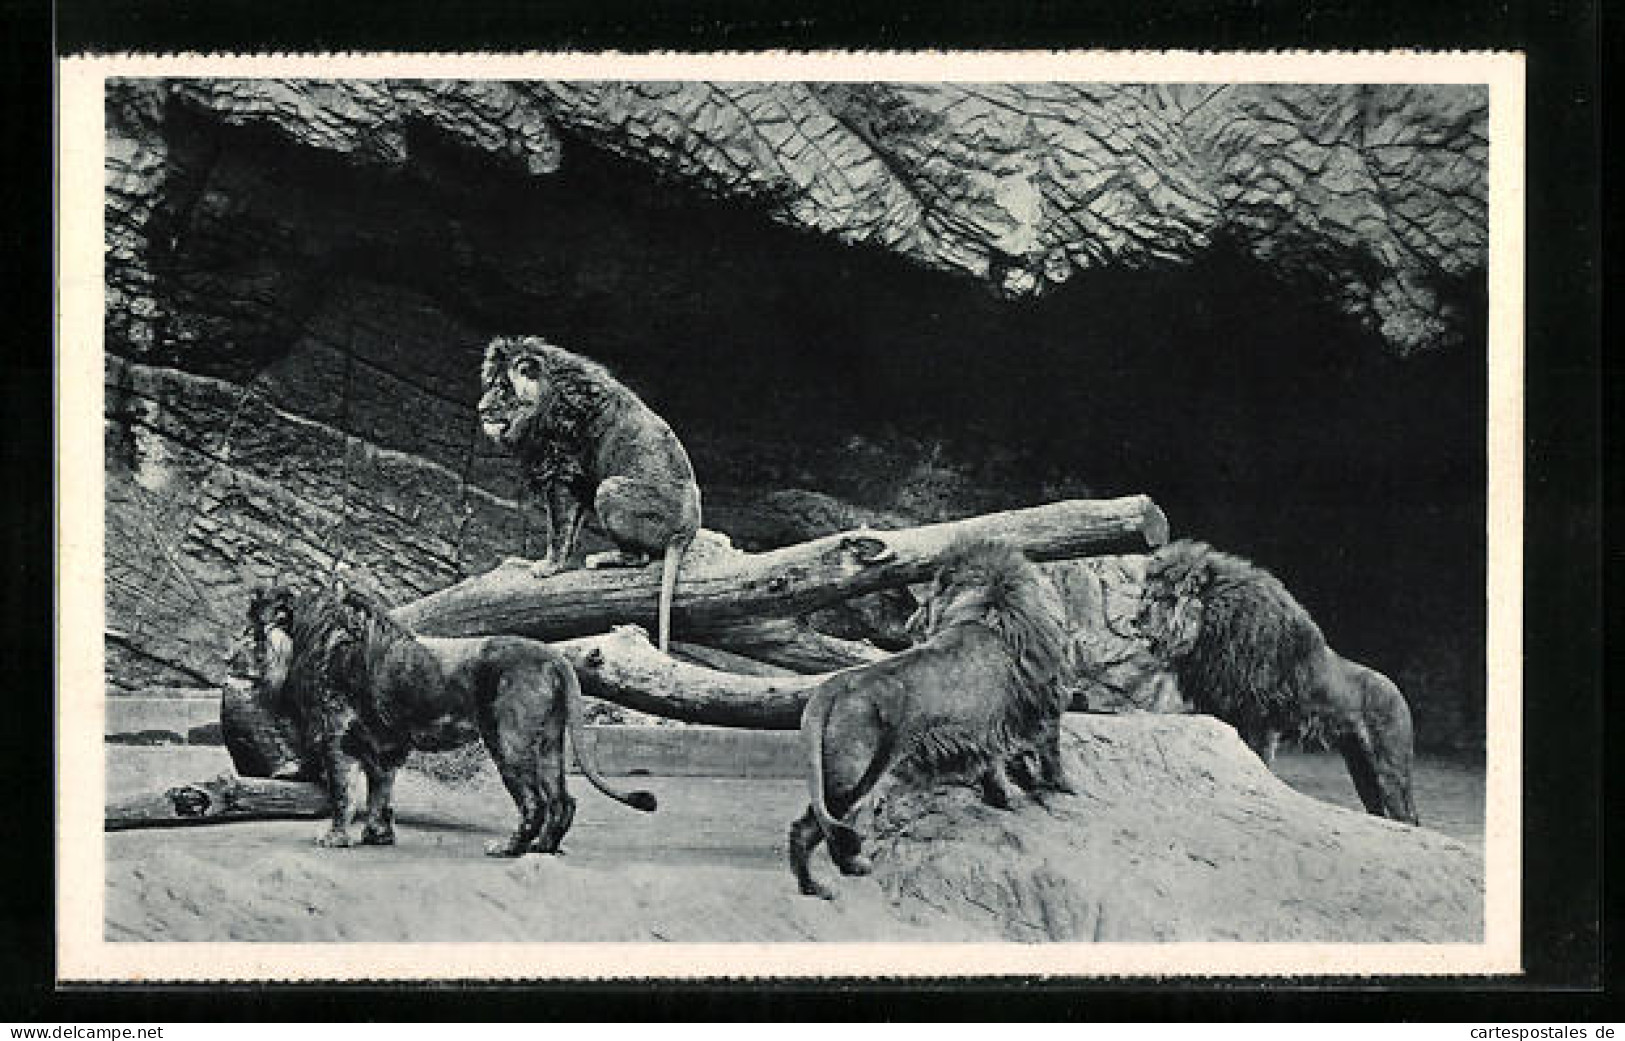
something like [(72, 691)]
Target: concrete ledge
[(665, 751), (133, 715), (696, 751)]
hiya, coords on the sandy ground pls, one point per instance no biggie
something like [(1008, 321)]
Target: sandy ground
[(708, 866)]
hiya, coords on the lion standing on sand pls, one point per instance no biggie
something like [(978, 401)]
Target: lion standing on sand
[(587, 442), (980, 696), (363, 691), (1247, 652)]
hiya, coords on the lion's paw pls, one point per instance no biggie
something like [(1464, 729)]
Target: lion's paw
[(545, 568), (504, 848), (337, 838)]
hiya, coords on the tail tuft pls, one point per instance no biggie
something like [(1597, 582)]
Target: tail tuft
[(644, 801)]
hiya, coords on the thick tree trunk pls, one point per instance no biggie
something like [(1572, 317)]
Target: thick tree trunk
[(715, 595)]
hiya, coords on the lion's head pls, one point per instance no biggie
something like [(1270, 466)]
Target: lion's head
[(992, 583), (263, 656), (294, 635), (1170, 616), (1239, 642), (532, 390)]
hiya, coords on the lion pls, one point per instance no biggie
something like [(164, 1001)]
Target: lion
[(587, 442), (1245, 651), (979, 698), (363, 691)]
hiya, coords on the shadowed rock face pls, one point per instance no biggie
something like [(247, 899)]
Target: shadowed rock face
[(917, 302)]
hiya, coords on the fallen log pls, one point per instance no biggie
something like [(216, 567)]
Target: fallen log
[(725, 661), (794, 645), (721, 592), (624, 667), (222, 800)]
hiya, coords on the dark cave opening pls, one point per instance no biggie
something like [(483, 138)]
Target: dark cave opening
[(1259, 417)]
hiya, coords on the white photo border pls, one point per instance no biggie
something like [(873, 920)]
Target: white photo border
[(83, 953)]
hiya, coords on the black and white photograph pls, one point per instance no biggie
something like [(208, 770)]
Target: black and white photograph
[(790, 515)]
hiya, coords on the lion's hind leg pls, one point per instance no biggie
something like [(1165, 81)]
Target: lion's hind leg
[(1388, 719), (510, 729), (641, 517), (805, 835), (530, 818), (558, 808), (1391, 760)]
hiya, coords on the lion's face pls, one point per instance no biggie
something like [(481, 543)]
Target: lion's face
[(1170, 618), (264, 654), (515, 394)]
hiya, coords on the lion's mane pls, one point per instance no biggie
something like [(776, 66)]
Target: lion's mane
[(343, 642), (582, 397), (1254, 653), (991, 583)]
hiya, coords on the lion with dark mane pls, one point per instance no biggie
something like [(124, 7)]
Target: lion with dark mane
[(588, 443), (363, 691), (978, 701), (1246, 651)]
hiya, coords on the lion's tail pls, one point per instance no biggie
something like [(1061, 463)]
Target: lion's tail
[(572, 713), (814, 718), (668, 584)]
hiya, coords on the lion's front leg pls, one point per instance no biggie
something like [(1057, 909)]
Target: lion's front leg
[(565, 517), (342, 791), (562, 517), (1050, 772), (1265, 742), (998, 790), (332, 721)]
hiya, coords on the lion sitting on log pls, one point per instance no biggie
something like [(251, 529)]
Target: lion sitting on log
[(588, 443), (1246, 651), (364, 690), (979, 699)]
